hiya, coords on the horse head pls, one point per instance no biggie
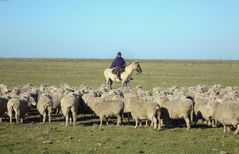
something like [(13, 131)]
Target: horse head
[(137, 67)]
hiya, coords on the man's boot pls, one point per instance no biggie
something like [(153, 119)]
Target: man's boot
[(119, 76)]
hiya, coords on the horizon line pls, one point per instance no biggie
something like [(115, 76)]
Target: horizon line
[(94, 58)]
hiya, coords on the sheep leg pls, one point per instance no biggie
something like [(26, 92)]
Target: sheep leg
[(128, 118), (70, 119), (187, 123), (44, 116), (161, 121), (101, 120), (228, 129), (154, 121), (140, 123), (195, 120), (136, 123), (159, 124), (107, 120), (119, 120), (16, 116), (49, 113), (214, 123), (146, 123), (74, 118), (10, 116), (67, 118), (237, 129), (225, 129)]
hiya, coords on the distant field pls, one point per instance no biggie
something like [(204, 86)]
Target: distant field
[(87, 137), (166, 73)]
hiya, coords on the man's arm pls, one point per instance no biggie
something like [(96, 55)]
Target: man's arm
[(113, 64)]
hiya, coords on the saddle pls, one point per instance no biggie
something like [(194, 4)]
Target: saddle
[(114, 70)]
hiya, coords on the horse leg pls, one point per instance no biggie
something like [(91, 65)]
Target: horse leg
[(107, 81), (124, 83), (110, 83)]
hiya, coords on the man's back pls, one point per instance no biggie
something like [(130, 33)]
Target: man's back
[(118, 62)]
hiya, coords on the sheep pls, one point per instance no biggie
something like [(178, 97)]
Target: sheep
[(20, 106), (176, 108), (70, 106), (145, 110), (3, 107), (46, 89), (27, 87), (227, 114), (104, 107), (129, 97), (201, 108), (42, 87), (3, 89), (44, 106), (34, 92), (15, 91), (56, 96)]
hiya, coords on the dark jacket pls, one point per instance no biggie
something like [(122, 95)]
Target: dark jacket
[(118, 62)]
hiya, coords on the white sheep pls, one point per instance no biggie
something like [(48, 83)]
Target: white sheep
[(104, 107), (44, 106), (227, 114), (3, 89), (145, 110), (176, 109), (70, 107), (20, 106)]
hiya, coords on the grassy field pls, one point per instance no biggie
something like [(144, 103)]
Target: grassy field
[(165, 73), (87, 137)]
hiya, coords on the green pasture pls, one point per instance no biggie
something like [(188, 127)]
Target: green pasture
[(165, 73), (87, 137)]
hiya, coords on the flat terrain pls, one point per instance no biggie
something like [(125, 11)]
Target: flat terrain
[(87, 136), (165, 73)]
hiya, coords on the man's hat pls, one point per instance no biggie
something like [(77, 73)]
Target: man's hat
[(119, 53)]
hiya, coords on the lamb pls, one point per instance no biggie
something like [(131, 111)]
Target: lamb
[(70, 106), (20, 106), (176, 109), (104, 107), (44, 106), (227, 114), (145, 110)]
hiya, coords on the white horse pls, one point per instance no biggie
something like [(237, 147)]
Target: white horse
[(111, 77)]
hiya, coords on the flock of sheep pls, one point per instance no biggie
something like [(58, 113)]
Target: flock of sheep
[(215, 105)]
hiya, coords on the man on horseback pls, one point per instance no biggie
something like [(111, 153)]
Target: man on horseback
[(119, 65)]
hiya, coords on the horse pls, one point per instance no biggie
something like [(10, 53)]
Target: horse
[(111, 77)]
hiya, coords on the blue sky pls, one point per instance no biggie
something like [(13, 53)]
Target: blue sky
[(153, 29)]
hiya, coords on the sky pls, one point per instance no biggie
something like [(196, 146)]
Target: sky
[(139, 29)]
